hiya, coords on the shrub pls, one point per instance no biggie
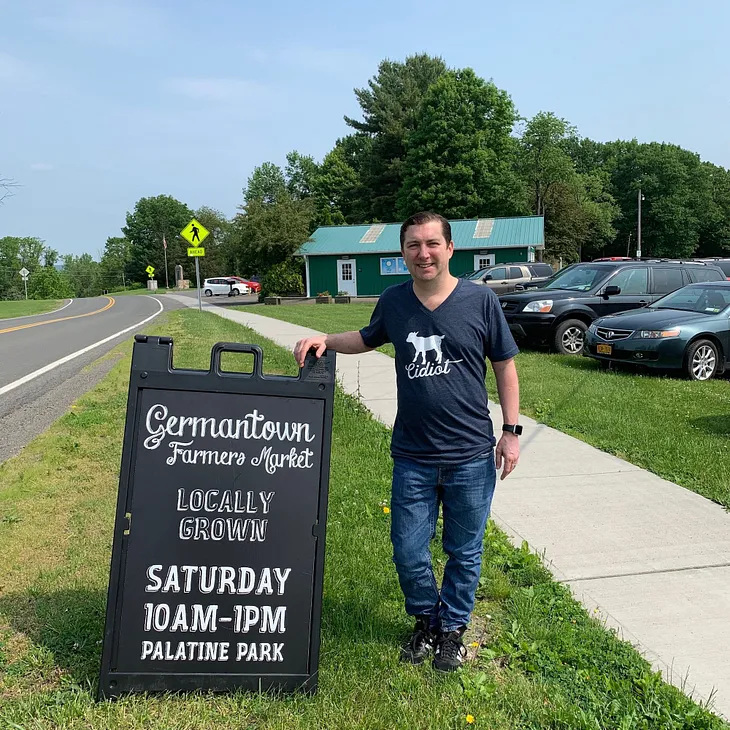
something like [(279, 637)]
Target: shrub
[(282, 279)]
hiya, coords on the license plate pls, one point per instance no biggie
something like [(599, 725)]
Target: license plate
[(604, 349)]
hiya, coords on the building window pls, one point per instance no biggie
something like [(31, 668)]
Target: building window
[(393, 265)]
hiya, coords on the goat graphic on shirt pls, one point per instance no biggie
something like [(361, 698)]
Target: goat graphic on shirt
[(427, 368)]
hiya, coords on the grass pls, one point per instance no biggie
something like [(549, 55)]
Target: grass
[(544, 664), (25, 308), (673, 427), (141, 290)]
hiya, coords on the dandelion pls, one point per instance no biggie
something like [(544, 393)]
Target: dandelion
[(386, 510), (474, 644), (470, 719)]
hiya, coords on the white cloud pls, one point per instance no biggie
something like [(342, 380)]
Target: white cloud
[(14, 70), (41, 167), (312, 58), (125, 25), (217, 90)]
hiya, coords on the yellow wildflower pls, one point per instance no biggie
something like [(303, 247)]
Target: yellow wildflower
[(470, 719), (474, 644), (386, 510)]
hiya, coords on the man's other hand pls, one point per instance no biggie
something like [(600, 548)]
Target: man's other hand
[(508, 453)]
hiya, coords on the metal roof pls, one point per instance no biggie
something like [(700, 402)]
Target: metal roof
[(497, 232)]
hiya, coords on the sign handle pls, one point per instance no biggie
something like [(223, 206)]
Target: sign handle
[(220, 347), (197, 279)]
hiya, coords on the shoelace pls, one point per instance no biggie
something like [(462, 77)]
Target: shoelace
[(449, 646), (420, 635)]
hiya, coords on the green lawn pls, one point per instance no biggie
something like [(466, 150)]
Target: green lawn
[(544, 663), (25, 308), (129, 292), (673, 427)]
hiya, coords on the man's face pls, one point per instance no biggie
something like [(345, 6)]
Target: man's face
[(426, 252)]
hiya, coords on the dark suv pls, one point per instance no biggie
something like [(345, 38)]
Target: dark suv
[(560, 312), (723, 264)]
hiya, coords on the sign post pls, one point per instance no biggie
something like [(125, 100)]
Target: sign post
[(193, 233), (24, 273), (218, 551)]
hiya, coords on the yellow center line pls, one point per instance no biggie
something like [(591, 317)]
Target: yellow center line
[(60, 319)]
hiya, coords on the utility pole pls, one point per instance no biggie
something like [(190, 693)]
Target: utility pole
[(628, 246), (638, 242), (124, 285)]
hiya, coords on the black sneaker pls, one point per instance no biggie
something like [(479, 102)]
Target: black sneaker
[(419, 646), (450, 650)]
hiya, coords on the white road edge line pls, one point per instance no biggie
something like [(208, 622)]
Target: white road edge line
[(26, 316), (47, 368)]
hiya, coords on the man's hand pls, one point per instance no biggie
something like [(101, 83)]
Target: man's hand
[(303, 346), (508, 452)]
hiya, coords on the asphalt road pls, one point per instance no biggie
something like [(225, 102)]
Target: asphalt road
[(31, 401)]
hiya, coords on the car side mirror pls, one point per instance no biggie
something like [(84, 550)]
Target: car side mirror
[(488, 277), (611, 291)]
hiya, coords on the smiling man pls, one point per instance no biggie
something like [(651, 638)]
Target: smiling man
[(443, 446)]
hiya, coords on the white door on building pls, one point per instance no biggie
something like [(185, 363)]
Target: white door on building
[(482, 260), (346, 276)]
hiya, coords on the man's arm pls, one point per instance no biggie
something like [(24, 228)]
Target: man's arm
[(508, 387), (348, 343)]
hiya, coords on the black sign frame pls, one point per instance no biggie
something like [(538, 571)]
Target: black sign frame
[(152, 369)]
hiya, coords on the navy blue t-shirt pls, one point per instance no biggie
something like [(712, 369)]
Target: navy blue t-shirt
[(443, 414)]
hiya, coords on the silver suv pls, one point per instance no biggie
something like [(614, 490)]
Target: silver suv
[(503, 278)]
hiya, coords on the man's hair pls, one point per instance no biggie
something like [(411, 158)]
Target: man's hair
[(426, 216)]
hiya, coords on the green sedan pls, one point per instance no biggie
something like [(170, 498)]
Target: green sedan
[(688, 330)]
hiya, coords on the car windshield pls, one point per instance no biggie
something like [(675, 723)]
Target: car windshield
[(477, 274), (705, 299), (578, 278)]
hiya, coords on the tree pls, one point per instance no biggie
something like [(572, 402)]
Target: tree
[(544, 160), (152, 219), (114, 262), (391, 106), (301, 175), (266, 184), (16, 253), (83, 275), (460, 158), (46, 282), (715, 225)]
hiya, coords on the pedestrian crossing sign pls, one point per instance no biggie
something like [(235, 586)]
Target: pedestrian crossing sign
[(194, 233), (150, 270)]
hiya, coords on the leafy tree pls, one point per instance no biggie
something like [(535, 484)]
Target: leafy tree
[(114, 262), (83, 275), (152, 219), (715, 225), (301, 175), (16, 253), (460, 158), (391, 107), (266, 184), (46, 282)]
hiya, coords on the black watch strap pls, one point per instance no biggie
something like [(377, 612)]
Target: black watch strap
[(516, 429)]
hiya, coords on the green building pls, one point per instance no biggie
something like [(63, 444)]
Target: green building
[(366, 260)]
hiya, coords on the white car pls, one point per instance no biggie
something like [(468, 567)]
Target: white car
[(225, 286)]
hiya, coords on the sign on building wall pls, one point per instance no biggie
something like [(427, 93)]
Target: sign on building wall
[(393, 265), (218, 553)]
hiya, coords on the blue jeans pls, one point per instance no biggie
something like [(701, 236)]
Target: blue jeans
[(465, 491)]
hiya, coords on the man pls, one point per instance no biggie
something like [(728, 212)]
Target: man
[(443, 451)]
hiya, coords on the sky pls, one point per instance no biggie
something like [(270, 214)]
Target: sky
[(102, 103)]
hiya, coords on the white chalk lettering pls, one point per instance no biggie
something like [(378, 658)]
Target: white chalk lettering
[(241, 580), (201, 651), (262, 652)]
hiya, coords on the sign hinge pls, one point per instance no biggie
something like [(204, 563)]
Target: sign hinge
[(128, 517)]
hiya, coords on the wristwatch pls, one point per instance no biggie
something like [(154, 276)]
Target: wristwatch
[(512, 428)]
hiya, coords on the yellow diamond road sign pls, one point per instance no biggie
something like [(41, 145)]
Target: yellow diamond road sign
[(199, 251), (150, 270), (194, 233)]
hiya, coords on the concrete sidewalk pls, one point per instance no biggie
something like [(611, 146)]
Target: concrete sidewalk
[(651, 556)]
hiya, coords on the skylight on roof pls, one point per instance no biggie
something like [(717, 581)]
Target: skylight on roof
[(484, 228), (372, 233)]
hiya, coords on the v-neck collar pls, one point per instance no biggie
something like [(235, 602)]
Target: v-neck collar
[(424, 308)]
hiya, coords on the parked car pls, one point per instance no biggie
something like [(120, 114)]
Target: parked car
[(561, 310), (688, 329), (723, 264), (502, 278), (254, 286), (224, 285)]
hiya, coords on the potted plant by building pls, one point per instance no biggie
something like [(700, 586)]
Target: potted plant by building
[(324, 297), (272, 298), (342, 298)]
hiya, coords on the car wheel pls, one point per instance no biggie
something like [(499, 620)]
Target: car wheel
[(235, 292), (702, 360), (208, 293), (569, 337)]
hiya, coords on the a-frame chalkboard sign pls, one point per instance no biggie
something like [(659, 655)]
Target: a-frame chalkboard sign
[(218, 555)]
